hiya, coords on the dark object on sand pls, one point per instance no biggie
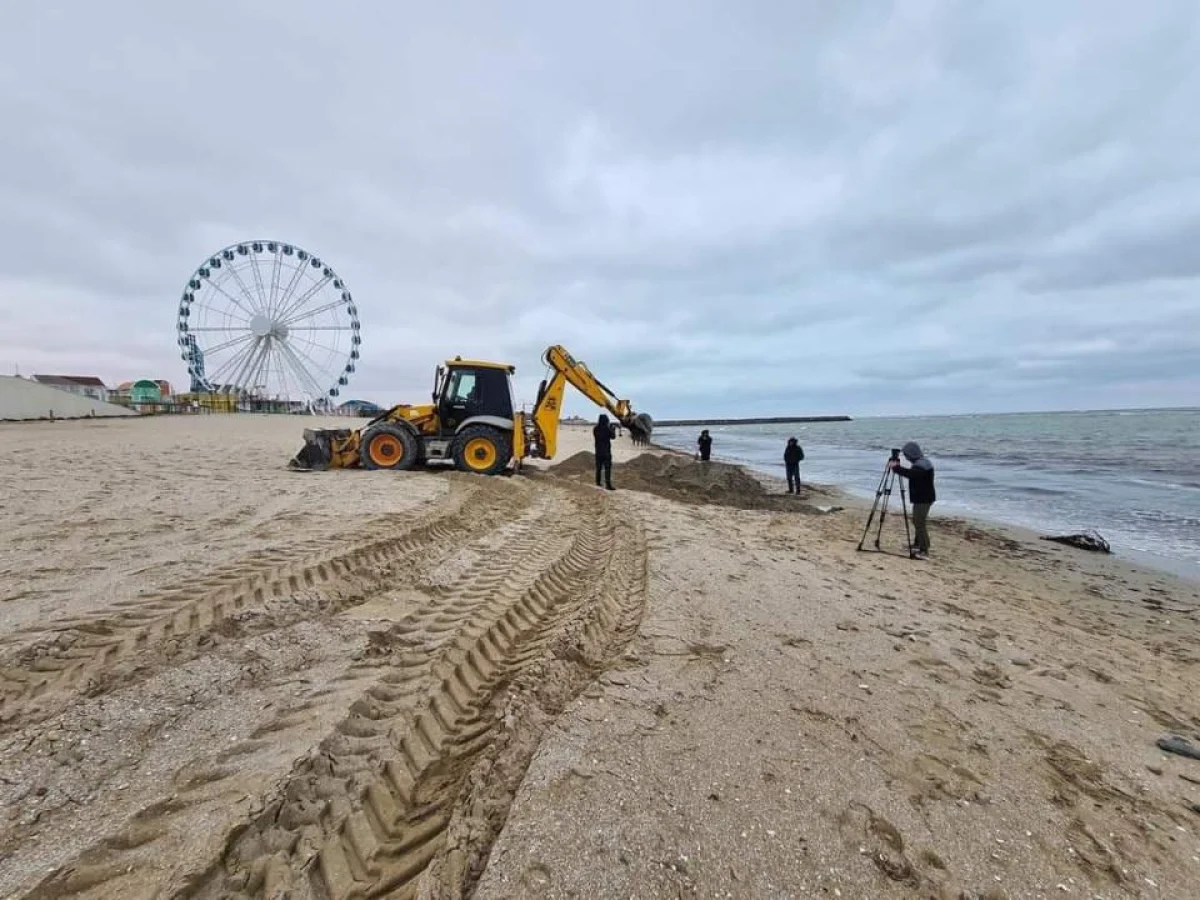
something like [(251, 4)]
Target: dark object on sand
[(1088, 540), (1179, 746)]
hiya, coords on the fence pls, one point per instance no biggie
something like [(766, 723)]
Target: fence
[(222, 404)]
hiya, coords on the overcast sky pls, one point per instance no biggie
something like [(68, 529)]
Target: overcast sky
[(759, 207)]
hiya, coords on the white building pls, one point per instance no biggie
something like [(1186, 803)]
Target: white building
[(84, 385), (23, 399)]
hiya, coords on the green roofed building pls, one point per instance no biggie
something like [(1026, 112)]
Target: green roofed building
[(145, 391)]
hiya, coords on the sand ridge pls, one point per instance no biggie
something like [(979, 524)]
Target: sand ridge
[(678, 477)]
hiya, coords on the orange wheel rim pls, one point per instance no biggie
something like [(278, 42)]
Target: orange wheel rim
[(480, 454), (385, 450)]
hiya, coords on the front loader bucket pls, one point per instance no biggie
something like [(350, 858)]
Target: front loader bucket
[(317, 452)]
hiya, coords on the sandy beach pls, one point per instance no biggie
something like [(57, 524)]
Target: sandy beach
[(222, 678)]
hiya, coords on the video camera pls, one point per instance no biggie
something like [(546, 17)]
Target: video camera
[(895, 453)]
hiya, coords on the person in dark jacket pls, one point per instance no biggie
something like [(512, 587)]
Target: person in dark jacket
[(705, 444), (920, 492), (603, 435), (793, 453)]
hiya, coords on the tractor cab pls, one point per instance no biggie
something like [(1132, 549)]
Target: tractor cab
[(468, 389)]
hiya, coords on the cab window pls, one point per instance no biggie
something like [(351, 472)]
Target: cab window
[(462, 388)]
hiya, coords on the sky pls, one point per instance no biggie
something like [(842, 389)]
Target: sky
[(764, 208)]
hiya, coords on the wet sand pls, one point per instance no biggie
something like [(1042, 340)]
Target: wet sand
[(222, 678)]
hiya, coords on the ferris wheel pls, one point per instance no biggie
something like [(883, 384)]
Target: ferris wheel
[(270, 321)]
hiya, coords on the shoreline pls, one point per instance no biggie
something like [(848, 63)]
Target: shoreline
[(1115, 565), (1140, 559)]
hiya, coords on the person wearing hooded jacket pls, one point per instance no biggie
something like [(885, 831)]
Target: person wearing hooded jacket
[(920, 492), (793, 455), (603, 435)]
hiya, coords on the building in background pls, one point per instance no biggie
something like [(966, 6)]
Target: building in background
[(26, 399), (363, 408), (84, 385), (123, 392), (145, 392)]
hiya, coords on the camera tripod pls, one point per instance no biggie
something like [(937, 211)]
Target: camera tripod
[(884, 491)]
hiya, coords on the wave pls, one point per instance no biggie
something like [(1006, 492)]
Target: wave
[(1167, 519), (1040, 491), (1168, 485), (974, 479)]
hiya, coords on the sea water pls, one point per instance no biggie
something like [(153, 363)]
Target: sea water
[(1133, 476)]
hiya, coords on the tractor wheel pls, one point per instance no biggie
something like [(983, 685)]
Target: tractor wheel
[(386, 446), (482, 450)]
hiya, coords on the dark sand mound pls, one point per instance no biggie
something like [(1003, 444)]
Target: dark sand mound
[(681, 478)]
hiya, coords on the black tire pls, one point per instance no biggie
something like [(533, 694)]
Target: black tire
[(387, 446), (482, 450)]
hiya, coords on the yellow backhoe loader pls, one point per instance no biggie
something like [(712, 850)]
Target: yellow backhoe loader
[(472, 421)]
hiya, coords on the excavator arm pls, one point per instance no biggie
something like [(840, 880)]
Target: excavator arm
[(541, 430)]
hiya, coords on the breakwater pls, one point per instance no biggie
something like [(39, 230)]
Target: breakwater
[(775, 420)]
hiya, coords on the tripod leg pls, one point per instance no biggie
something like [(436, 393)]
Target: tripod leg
[(868, 525), (887, 496), (878, 493)]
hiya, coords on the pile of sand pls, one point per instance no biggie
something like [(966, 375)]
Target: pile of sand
[(680, 478)]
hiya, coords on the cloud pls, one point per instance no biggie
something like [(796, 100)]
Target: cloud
[(773, 208)]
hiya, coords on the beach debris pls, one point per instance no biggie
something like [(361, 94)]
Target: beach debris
[(1178, 745), (1086, 540)]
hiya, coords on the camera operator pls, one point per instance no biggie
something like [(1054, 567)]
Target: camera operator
[(920, 492)]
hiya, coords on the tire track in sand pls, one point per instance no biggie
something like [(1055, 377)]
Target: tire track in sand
[(136, 635), (506, 554), (369, 813)]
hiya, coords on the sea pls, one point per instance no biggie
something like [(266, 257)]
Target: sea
[(1131, 475)]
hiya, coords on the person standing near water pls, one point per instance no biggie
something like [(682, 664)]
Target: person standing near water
[(920, 492), (793, 454), (705, 444)]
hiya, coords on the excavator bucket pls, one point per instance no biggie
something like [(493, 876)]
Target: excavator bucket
[(639, 425), (323, 448)]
